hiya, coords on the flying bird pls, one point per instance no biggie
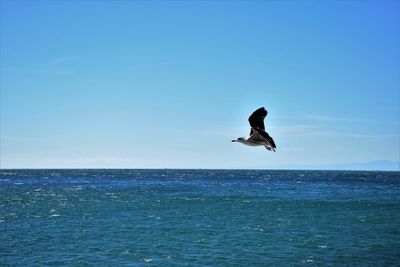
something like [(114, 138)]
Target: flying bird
[(258, 135)]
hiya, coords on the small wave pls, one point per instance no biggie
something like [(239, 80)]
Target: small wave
[(125, 252), (308, 260)]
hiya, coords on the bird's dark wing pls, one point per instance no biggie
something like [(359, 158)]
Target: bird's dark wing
[(256, 119), (267, 137)]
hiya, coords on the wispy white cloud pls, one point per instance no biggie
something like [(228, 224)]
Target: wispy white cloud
[(353, 135), (51, 67), (14, 139), (316, 130), (46, 71), (62, 59), (293, 149), (312, 117), (337, 148), (327, 118), (157, 64), (324, 118), (295, 129), (51, 72)]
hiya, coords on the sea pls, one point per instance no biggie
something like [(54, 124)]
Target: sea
[(168, 217)]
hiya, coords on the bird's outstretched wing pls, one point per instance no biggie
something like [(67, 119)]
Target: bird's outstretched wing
[(266, 136), (256, 119)]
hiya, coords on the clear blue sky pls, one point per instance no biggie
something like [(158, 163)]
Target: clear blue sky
[(163, 84)]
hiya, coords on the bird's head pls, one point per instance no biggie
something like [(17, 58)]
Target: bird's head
[(240, 139)]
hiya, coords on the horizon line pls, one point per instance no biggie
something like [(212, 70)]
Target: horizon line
[(217, 169)]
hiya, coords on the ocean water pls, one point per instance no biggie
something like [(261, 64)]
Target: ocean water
[(199, 218)]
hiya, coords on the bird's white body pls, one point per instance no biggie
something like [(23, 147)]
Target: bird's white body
[(250, 143), (255, 142)]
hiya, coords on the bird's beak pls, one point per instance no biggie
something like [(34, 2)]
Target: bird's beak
[(233, 140)]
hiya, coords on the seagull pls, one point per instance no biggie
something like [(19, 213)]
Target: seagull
[(258, 135)]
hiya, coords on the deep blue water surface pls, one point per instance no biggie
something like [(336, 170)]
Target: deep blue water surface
[(199, 218)]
